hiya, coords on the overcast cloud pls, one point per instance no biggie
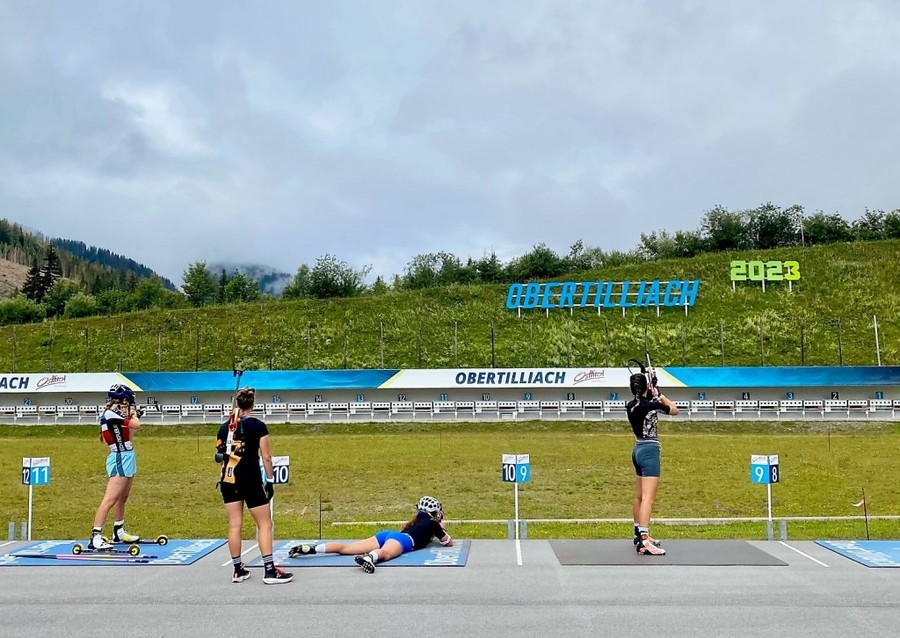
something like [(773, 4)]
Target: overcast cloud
[(277, 131)]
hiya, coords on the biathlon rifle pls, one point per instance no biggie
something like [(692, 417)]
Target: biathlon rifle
[(652, 379), (225, 450)]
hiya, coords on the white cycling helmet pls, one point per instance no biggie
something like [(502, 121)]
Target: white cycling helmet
[(430, 505)]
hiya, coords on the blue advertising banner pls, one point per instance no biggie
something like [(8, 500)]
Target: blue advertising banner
[(260, 379), (779, 377), (669, 377)]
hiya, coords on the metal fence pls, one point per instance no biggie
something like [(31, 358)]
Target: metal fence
[(532, 340)]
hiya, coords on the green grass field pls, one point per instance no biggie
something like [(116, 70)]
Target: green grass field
[(376, 472)]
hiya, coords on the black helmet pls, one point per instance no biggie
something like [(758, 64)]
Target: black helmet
[(120, 392), (638, 384)]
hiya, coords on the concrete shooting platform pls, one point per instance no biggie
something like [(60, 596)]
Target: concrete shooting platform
[(502, 592), (678, 552)]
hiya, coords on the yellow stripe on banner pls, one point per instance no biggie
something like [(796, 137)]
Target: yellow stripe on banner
[(390, 382), (131, 384), (669, 379)]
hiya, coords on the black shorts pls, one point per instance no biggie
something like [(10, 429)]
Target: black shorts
[(251, 492)]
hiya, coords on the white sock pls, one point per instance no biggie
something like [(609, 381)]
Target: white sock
[(320, 549), (374, 557), (119, 524)]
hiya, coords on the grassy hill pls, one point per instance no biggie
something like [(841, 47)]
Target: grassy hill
[(826, 319)]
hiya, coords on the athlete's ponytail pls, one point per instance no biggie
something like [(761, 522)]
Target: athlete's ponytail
[(638, 385)]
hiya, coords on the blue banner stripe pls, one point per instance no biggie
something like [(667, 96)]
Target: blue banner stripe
[(782, 377), (279, 380), (287, 380)]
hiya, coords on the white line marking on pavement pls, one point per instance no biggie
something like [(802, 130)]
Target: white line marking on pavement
[(242, 554), (518, 552), (7, 543), (815, 560)]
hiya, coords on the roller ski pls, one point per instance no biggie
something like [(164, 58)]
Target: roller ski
[(646, 548), (101, 546), (637, 541), (162, 539)]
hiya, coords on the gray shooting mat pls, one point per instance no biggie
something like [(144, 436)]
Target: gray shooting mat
[(678, 552)]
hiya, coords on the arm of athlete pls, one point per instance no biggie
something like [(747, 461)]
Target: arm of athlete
[(133, 423), (266, 454), (443, 537), (673, 409)]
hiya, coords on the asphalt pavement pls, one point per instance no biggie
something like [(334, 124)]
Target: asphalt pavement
[(818, 593)]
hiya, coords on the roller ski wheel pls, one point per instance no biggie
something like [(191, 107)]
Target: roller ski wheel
[(133, 550), (162, 539)]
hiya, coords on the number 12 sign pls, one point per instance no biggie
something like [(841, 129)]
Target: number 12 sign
[(516, 468)]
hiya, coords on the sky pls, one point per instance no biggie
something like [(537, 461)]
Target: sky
[(277, 131)]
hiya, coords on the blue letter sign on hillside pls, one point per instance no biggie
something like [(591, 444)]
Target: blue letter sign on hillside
[(603, 294)]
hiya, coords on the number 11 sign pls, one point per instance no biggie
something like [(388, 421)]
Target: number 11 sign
[(35, 471)]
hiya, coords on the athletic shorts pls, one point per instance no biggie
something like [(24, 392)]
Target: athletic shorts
[(645, 458), (251, 493), (121, 464), (405, 540)]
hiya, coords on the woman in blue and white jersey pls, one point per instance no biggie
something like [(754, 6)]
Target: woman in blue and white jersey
[(120, 418)]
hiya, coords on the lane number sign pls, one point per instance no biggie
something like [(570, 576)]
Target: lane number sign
[(515, 468), (35, 470), (764, 469), (281, 469)]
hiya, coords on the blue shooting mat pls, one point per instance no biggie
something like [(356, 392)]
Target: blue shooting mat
[(868, 553), (433, 555), (51, 553)]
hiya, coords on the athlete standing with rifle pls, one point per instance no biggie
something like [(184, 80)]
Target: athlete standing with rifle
[(120, 418), (643, 416), (241, 443)]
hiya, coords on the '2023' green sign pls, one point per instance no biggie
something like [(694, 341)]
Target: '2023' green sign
[(765, 271)]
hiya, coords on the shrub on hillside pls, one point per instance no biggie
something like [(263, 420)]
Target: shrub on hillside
[(20, 310)]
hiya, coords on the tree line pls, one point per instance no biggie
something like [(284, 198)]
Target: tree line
[(50, 292)]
